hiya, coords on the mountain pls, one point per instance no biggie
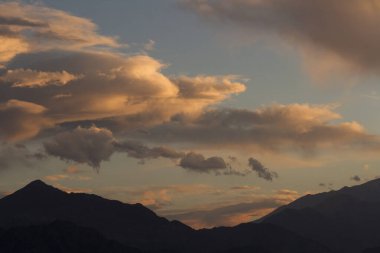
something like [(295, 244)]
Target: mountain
[(30, 215), (38, 203), (372, 250), (346, 220), (255, 238), (58, 237)]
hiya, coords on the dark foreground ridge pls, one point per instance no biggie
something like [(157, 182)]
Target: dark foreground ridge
[(58, 237), (347, 220), (40, 218)]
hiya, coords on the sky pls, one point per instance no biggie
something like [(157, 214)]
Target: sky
[(213, 112)]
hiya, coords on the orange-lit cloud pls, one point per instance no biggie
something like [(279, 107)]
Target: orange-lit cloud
[(59, 54), (32, 79), (35, 27), (71, 189), (301, 128), (21, 120), (227, 215), (158, 197), (232, 213), (69, 81), (63, 177), (72, 169), (55, 178)]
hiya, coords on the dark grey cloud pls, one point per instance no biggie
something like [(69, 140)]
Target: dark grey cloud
[(261, 171), (344, 28), (91, 146), (197, 162), (94, 145), (140, 151), (356, 178)]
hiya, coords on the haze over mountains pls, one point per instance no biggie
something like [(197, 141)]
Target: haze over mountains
[(46, 219)]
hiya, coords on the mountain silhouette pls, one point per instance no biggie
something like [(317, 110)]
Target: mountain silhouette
[(38, 203), (346, 220), (58, 237), (40, 209)]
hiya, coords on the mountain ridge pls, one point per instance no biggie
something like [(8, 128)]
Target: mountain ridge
[(345, 220), (38, 204)]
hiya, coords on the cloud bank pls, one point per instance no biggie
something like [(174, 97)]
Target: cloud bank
[(299, 128), (58, 73), (59, 62), (345, 30)]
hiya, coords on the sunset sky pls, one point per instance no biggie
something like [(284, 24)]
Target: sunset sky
[(212, 112)]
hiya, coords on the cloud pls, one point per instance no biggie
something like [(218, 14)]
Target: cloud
[(66, 176), (356, 178), (328, 185), (9, 47), (21, 119), (159, 198), (136, 94), (72, 190), (94, 145), (17, 157), (84, 79), (91, 146), (297, 128), (261, 171), (140, 151), (55, 178), (347, 32), (43, 28), (228, 215), (150, 45), (235, 204), (208, 87), (245, 188), (245, 204), (72, 170), (83, 76), (21, 22), (34, 79), (197, 162), (188, 160), (286, 196)]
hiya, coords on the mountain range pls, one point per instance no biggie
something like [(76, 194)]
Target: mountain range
[(40, 218), (347, 220)]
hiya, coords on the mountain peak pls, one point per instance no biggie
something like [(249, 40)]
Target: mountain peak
[(36, 189), (37, 183)]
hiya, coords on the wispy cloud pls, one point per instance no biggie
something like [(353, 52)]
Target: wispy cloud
[(307, 24)]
